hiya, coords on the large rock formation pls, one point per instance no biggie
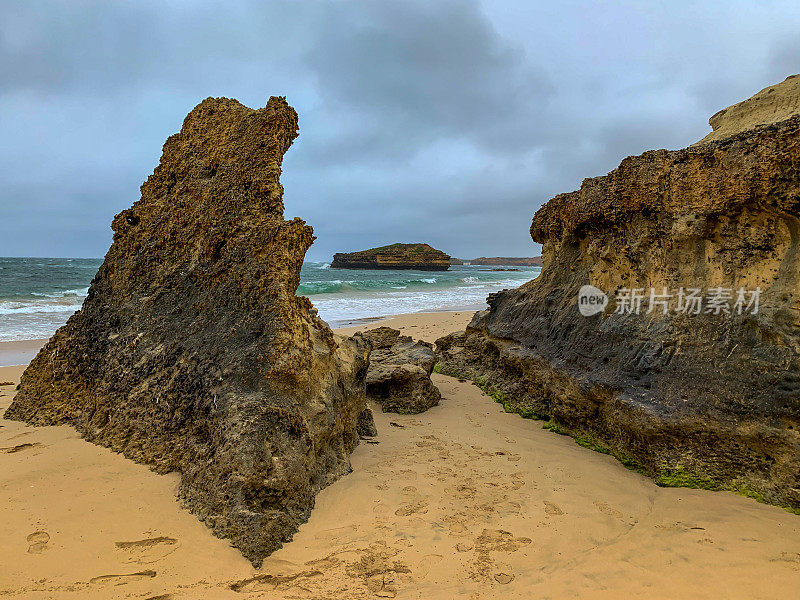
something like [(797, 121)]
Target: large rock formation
[(192, 352), (420, 257), (707, 400), (399, 374)]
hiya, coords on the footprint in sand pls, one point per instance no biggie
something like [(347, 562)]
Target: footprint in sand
[(517, 481), (20, 448), (123, 578), (267, 580), (148, 550), (465, 491), (788, 557), (336, 532), (411, 508), (456, 524), (552, 509), (494, 540), (428, 561), (426, 443), (607, 509), (487, 507), (497, 540), (678, 526), (378, 570), (38, 542), (382, 585), (510, 508)]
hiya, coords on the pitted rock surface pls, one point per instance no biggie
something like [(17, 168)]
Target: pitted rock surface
[(193, 354)]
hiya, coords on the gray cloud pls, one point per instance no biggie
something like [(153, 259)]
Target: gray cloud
[(423, 73), (448, 122)]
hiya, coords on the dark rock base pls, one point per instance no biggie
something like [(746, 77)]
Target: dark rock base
[(749, 456)]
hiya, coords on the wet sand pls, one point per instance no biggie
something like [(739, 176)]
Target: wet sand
[(420, 326), (463, 501), (19, 353)]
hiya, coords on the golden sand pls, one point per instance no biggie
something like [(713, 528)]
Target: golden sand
[(463, 501)]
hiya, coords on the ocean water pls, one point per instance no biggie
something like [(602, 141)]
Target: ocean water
[(345, 296), (38, 295)]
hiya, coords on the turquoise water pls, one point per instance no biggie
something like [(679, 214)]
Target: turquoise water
[(344, 296), (37, 295)]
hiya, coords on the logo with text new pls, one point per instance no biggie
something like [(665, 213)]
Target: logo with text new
[(591, 300)]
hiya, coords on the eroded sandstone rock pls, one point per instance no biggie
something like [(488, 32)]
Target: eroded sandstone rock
[(773, 104), (399, 374), (192, 352), (711, 400)]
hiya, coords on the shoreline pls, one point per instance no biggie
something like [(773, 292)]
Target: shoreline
[(366, 321), (20, 352), (427, 326)]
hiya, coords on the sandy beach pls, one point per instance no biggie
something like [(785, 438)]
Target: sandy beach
[(463, 501), (19, 353), (420, 326)]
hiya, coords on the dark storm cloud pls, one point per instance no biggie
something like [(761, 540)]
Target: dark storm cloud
[(106, 48), (421, 73), (446, 122)]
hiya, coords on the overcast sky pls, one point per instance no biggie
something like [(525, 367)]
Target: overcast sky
[(443, 122)]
